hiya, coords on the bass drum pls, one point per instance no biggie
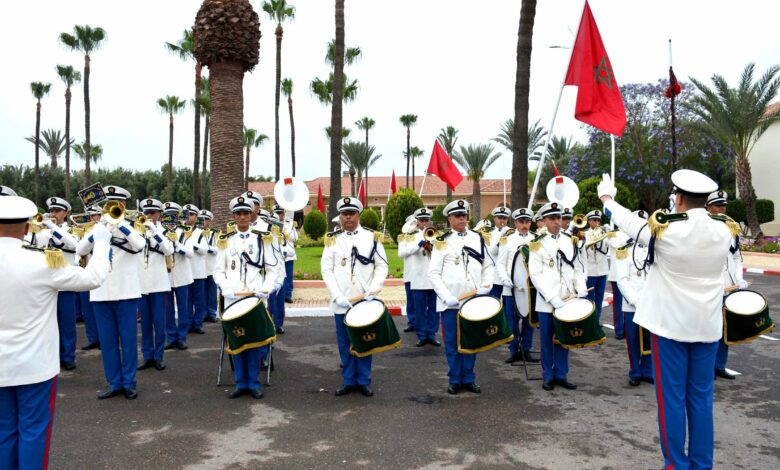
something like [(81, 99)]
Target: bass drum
[(370, 328), (524, 300), (482, 325), (577, 325), (247, 325)]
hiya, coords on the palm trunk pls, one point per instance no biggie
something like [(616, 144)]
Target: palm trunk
[(37, 147), (87, 141), (408, 155), (449, 194), (206, 132), (525, 31), (352, 182), (292, 134), (475, 195), (67, 143), (170, 157), (196, 162), (336, 111), (367, 163), (748, 195), (227, 120), (412, 173), (277, 159), (246, 171)]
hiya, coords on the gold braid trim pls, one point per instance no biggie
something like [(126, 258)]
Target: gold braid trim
[(486, 237), (440, 245), (379, 237), (268, 238), (611, 234), (330, 239), (222, 243), (657, 228), (502, 241), (534, 245), (55, 259), (622, 253), (733, 227)]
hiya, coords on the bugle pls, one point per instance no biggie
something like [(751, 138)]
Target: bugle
[(113, 213)]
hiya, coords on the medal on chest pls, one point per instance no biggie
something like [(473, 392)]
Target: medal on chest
[(552, 263), (233, 265), (343, 261), (457, 261), (639, 274)]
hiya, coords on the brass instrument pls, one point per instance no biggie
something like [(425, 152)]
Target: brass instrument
[(79, 220), (430, 234), (39, 218), (113, 213), (594, 236), (579, 221), (483, 225)]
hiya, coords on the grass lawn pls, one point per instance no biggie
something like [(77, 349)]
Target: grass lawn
[(307, 266)]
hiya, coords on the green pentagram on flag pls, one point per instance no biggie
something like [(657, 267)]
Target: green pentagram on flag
[(607, 76)]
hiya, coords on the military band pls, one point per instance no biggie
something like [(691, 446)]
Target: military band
[(500, 219)]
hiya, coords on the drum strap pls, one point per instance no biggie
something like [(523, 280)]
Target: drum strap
[(733, 249), (61, 246), (566, 260), (356, 256), (120, 243)]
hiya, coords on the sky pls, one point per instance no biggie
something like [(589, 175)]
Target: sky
[(450, 62)]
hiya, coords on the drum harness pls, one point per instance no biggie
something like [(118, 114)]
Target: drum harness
[(259, 263), (562, 258), (365, 261)]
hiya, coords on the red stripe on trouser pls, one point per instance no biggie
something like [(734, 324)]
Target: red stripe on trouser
[(52, 397), (628, 349), (660, 396)]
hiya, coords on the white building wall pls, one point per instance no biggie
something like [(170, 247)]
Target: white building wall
[(765, 168)]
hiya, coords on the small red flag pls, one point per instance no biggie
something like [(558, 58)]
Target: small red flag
[(674, 87), (393, 184), (320, 200), (598, 97), (362, 192), (442, 166)]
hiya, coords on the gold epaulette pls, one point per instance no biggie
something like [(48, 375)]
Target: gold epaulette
[(77, 232), (622, 253), (222, 240), (379, 237), (534, 245), (575, 240), (275, 230), (485, 236), (611, 234), (440, 244), (502, 240), (330, 237), (267, 237), (55, 258), (732, 225), (660, 220)]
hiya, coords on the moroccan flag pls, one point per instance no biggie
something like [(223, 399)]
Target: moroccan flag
[(320, 200), (393, 184), (674, 87), (598, 97), (442, 166), (362, 192)]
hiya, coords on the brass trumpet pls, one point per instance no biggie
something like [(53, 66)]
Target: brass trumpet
[(113, 213), (430, 234), (579, 221)]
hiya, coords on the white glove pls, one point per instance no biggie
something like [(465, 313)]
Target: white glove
[(452, 301), (742, 284), (508, 284), (582, 294), (100, 233), (228, 294), (606, 187), (483, 291), (343, 302), (262, 294), (557, 303), (49, 224), (369, 297), (151, 226)]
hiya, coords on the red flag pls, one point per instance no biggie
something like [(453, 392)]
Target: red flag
[(598, 97), (320, 200), (393, 185), (362, 192), (442, 166), (674, 87)]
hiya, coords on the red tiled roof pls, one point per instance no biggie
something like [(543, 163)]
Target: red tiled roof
[(381, 185), (772, 108)]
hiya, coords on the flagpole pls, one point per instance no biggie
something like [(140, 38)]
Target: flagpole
[(612, 138), (423, 184), (671, 85)]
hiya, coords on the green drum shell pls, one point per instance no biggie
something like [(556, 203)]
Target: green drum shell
[(254, 329), (579, 333), (382, 335), (738, 328), (476, 336)]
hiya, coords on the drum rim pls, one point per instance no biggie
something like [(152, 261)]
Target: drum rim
[(592, 311), (384, 309), (259, 301), (766, 302), (460, 310)]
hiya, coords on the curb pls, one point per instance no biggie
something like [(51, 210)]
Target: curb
[(765, 272), (320, 283)]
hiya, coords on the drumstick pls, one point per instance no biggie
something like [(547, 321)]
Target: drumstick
[(574, 296), (734, 287), (360, 297), (467, 295), (246, 293)]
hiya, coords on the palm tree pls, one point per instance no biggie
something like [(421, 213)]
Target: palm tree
[(69, 76), (39, 90), (737, 117), (351, 54), (366, 124), (183, 48), (536, 135), (345, 131), (408, 120), (415, 153), (336, 116), (170, 105), (522, 86), (287, 89), (251, 139), (323, 90), (52, 144), (228, 52), (448, 137), (475, 160), (96, 151), (278, 11), (205, 111), (85, 39)]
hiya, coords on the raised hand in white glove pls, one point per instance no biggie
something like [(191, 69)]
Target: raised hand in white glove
[(606, 189), (743, 284), (343, 302), (100, 233), (150, 225), (582, 294), (557, 302), (228, 294), (49, 224), (452, 301), (483, 291), (369, 297), (508, 284)]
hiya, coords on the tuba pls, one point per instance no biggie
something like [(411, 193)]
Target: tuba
[(291, 194)]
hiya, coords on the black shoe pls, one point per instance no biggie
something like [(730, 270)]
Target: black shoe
[(513, 356), (211, 319), (280, 330), (181, 346), (548, 385), (256, 394), (146, 364), (198, 331), (649, 380), (421, 343), (565, 384), (109, 393), (68, 365), (288, 301), (236, 393), (80, 320), (620, 337), (634, 382), (366, 391), (433, 342), (724, 375), (408, 329), (453, 389), (530, 357), (91, 346), (471, 387), (131, 394), (159, 365), (344, 390), (171, 345)]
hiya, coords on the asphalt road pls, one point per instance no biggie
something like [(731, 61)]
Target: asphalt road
[(183, 420)]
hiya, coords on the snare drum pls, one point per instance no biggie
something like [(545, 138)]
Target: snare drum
[(577, 325), (370, 328), (745, 317), (247, 325), (525, 300), (482, 325)]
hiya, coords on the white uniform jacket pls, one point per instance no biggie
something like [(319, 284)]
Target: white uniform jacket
[(29, 338), (460, 263), (507, 247), (200, 249), (211, 256), (290, 239), (616, 239), (416, 261), (686, 278), (60, 238), (631, 273), (553, 270), (402, 242), (596, 256), (246, 261), (353, 263), (154, 276), (732, 272), (124, 277), (494, 248), (181, 273)]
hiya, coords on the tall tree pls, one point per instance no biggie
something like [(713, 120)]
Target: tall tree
[(278, 11), (522, 88), (287, 89), (414, 153), (408, 120), (345, 131), (39, 90), (170, 105), (69, 76), (366, 124), (358, 157), (53, 144), (183, 48), (448, 137), (205, 111), (323, 90), (228, 52), (85, 39), (475, 160), (336, 117), (251, 139), (737, 117)]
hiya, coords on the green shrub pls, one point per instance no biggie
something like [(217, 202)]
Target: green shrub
[(589, 200), (401, 204), (369, 218), (736, 210), (765, 210), (314, 224), (438, 217)]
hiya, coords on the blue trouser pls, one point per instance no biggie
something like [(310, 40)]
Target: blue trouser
[(522, 337), (246, 369), (287, 288), (722, 356), (117, 325), (79, 310), (410, 320), (152, 309), (683, 388), (496, 291), (26, 418), (426, 316), (617, 310), (177, 332), (66, 323), (276, 306), (599, 284), (211, 298), (197, 303), (356, 370), (90, 327), (461, 366), (639, 366), (555, 359)]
